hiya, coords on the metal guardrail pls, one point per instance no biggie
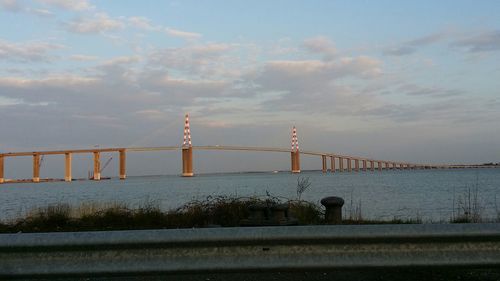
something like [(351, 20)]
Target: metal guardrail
[(214, 250)]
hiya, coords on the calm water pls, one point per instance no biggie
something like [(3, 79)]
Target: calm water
[(428, 194)]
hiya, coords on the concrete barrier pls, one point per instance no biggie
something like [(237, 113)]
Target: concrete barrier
[(213, 250)]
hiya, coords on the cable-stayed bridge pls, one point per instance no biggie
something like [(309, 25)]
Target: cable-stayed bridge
[(332, 162)]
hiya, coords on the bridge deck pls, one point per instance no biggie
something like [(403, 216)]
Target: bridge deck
[(232, 148)]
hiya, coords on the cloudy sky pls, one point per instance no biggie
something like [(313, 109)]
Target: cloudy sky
[(410, 81)]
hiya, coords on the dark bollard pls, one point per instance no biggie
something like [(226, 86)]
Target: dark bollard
[(333, 213)]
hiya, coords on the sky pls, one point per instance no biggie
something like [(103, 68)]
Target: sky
[(413, 81)]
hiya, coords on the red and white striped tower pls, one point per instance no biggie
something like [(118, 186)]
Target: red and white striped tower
[(295, 152), (187, 151)]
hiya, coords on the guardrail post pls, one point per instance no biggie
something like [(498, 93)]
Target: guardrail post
[(333, 206)]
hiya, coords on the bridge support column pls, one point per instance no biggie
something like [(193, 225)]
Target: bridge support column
[(187, 161), (332, 164), (364, 166), (123, 165), (356, 165), (341, 164), (36, 167), (295, 158), (324, 165), (1, 169), (372, 165), (97, 166), (349, 165), (67, 167)]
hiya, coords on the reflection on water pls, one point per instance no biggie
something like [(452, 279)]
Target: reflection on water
[(428, 194)]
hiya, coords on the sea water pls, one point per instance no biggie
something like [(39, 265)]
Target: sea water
[(430, 195)]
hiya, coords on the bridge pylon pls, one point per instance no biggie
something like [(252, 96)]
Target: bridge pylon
[(295, 154), (187, 151)]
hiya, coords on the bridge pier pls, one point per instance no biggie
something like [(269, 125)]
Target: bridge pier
[(341, 164), (97, 166), (67, 167), (295, 158), (364, 166), (123, 164), (332, 158), (379, 166), (187, 161), (372, 165), (349, 165), (36, 167), (324, 166), (356, 165), (1, 169)]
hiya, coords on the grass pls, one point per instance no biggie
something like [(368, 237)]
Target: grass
[(218, 211)]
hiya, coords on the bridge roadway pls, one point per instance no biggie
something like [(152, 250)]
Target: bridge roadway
[(360, 162)]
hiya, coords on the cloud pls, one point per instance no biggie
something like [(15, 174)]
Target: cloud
[(182, 34), (199, 60), (58, 81), (434, 92), (361, 66), (4, 101), (83, 58), (11, 5), (71, 5), (141, 23), (311, 85), (447, 111), (321, 45), (399, 51), (411, 46), (99, 23), (151, 114), (27, 51), (41, 12), (483, 42), (16, 6)]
